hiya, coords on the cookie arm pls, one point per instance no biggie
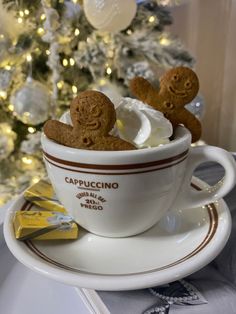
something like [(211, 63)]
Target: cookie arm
[(58, 132), (142, 89), (191, 123)]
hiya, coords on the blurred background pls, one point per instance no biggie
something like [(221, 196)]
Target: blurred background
[(50, 50), (207, 29)]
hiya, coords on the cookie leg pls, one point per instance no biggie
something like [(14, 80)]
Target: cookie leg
[(58, 132)]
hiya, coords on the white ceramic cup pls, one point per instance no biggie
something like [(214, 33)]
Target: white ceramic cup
[(123, 193)]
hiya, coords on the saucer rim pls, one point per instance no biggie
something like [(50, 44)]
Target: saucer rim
[(124, 281)]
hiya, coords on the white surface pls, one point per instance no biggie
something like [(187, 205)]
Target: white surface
[(123, 264), (23, 291)]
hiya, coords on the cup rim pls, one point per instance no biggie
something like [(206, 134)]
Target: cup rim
[(182, 135)]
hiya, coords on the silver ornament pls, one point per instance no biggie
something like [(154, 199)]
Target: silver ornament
[(31, 102), (7, 138), (197, 107), (5, 79), (32, 144)]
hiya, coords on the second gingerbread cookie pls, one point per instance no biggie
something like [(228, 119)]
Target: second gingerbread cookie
[(93, 116), (178, 87)]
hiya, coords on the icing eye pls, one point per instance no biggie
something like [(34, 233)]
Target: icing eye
[(175, 77), (96, 111), (169, 105), (188, 84)]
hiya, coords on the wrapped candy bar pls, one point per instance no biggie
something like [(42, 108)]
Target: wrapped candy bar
[(43, 195), (44, 225)]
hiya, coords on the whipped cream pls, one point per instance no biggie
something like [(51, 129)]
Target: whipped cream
[(65, 118), (137, 123), (141, 124)]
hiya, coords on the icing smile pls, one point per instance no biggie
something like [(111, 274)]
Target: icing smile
[(93, 125), (177, 92)]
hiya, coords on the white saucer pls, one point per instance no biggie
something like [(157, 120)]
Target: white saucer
[(183, 242)]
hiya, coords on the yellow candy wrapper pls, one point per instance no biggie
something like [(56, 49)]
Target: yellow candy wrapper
[(44, 225), (43, 195)]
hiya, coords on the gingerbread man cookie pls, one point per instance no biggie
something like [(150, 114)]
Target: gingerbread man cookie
[(178, 87), (93, 116)]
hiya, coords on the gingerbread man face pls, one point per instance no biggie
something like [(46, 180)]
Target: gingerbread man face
[(92, 112), (178, 87)]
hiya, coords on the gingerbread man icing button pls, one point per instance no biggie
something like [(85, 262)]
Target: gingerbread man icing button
[(178, 87), (93, 116)]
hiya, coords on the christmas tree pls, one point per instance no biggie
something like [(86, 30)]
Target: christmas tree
[(50, 51)]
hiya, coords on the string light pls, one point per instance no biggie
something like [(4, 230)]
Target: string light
[(74, 89), (129, 32), (26, 160), (102, 82), (3, 94), (28, 58), (31, 129), (35, 180), (19, 20), (40, 31), (8, 129), (26, 114), (21, 13), (60, 84), (75, 1), (8, 67), (77, 32), (151, 19), (110, 54), (47, 52), (106, 39), (65, 62), (27, 12), (108, 70), (11, 107), (164, 41), (72, 61), (1, 36), (43, 17)]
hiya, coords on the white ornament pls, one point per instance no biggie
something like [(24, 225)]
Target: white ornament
[(111, 90), (110, 15), (31, 102), (7, 138)]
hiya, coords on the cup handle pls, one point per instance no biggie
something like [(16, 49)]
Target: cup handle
[(188, 197)]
